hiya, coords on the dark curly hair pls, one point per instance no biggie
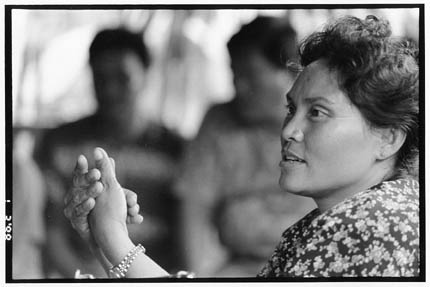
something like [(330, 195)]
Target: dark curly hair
[(379, 74), (119, 39), (273, 37)]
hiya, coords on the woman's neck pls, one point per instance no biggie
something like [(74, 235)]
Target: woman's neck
[(328, 199)]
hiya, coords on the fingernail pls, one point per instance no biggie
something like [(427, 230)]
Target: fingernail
[(98, 155), (100, 187), (81, 158)]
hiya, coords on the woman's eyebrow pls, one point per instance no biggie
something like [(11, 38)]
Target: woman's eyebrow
[(311, 100)]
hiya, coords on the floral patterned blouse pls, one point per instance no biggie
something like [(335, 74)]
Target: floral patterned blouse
[(374, 233)]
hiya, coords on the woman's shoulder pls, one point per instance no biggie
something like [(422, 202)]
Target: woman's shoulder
[(396, 196), (401, 187), (379, 226), (300, 228), (374, 233), (388, 202), (386, 215)]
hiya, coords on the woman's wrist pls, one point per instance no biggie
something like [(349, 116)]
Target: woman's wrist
[(98, 253), (116, 249), (115, 244), (120, 270)]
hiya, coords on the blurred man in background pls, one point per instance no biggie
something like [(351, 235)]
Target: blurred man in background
[(145, 152), (232, 209)]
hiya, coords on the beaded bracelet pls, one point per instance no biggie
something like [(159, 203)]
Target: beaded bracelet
[(120, 270)]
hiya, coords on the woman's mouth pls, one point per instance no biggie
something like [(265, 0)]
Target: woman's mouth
[(291, 158)]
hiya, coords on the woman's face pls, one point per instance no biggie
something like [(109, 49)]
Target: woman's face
[(328, 149)]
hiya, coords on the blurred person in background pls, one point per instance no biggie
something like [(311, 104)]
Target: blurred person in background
[(29, 198), (232, 210), (146, 154)]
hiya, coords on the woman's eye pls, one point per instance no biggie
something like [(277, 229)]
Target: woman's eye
[(317, 113), (290, 110)]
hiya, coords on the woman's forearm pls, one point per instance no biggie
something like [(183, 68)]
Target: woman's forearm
[(98, 253), (117, 245)]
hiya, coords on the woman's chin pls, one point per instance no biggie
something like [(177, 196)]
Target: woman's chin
[(292, 186)]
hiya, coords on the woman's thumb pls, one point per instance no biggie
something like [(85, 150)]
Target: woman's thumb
[(104, 164)]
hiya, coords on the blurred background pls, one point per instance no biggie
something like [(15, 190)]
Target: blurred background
[(190, 72), (51, 79)]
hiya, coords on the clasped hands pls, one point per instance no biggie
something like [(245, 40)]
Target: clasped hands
[(97, 205)]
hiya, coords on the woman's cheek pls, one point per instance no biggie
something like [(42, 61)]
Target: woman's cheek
[(327, 143)]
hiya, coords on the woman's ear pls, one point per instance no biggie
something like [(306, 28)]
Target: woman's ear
[(391, 141)]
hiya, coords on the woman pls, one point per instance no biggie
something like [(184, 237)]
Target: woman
[(349, 141)]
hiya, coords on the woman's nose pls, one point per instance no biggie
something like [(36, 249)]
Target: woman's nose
[(292, 130)]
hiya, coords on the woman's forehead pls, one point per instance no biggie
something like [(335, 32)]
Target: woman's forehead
[(316, 80)]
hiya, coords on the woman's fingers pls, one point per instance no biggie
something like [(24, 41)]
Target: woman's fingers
[(138, 219), (83, 209), (83, 180), (93, 191), (87, 186), (93, 175), (71, 211), (78, 194), (80, 205), (133, 210), (130, 197), (81, 168), (104, 164), (81, 225), (81, 165)]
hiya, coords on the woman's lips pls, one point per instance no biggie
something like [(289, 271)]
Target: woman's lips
[(290, 160), (289, 156)]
